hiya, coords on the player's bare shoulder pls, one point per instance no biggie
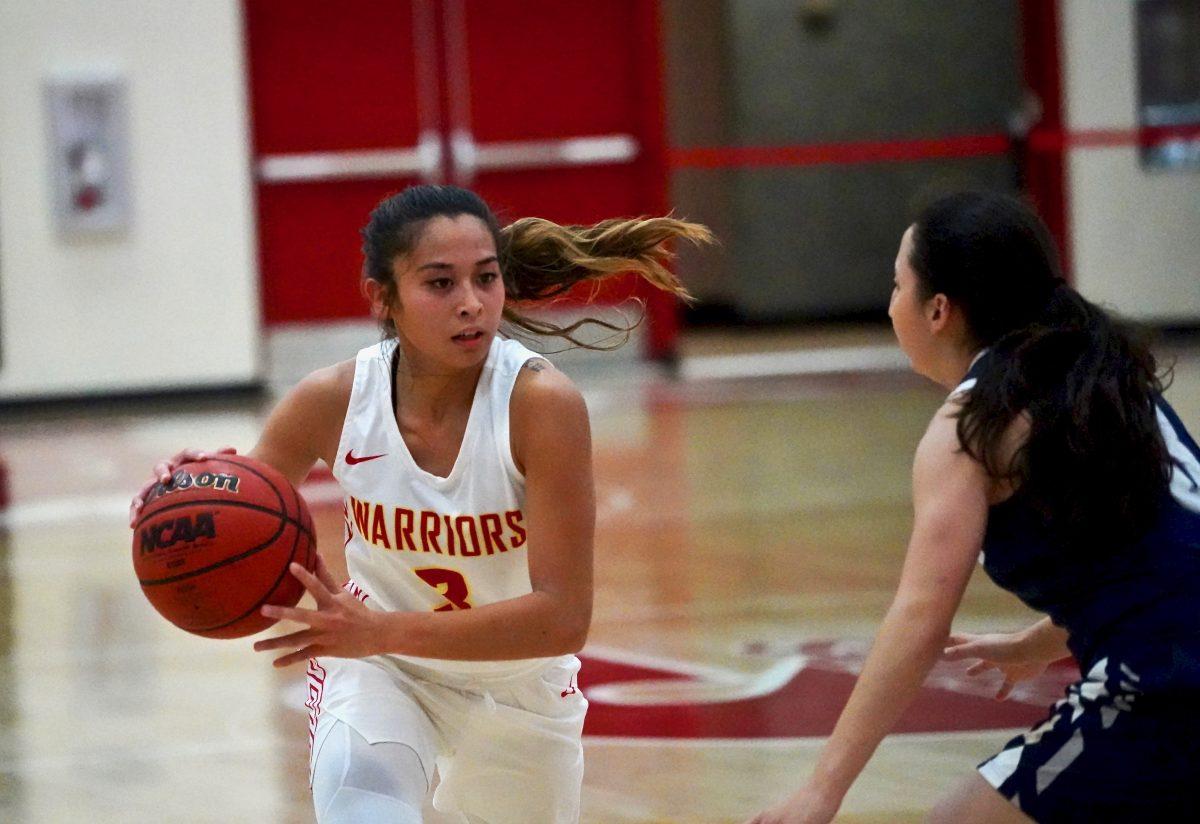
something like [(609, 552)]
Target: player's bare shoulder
[(330, 384), (541, 387), (546, 407), (307, 423)]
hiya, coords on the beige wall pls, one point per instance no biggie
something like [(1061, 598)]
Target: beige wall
[(173, 300), (1135, 234)]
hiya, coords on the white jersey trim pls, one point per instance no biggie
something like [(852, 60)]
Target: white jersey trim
[(1185, 468)]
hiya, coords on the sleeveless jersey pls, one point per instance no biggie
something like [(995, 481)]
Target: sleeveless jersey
[(418, 541), (1120, 597)]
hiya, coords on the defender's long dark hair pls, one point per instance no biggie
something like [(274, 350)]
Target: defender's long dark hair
[(1094, 463), (539, 259)]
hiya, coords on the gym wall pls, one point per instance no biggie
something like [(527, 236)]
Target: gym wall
[(171, 299)]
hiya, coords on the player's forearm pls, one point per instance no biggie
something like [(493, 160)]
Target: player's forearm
[(907, 646), (536, 625)]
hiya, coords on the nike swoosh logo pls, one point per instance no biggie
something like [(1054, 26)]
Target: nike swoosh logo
[(351, 460)]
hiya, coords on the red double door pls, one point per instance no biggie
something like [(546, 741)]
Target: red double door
[(546, 109)]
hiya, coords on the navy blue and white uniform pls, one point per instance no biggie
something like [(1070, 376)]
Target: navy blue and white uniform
[(1124, 744)]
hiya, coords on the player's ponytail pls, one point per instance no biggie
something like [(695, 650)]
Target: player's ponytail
[(540, 260), (1093, 464)]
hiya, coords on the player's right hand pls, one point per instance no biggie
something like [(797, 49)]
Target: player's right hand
[(163, 470), (807, 806)]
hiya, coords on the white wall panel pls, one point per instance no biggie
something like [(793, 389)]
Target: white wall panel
[(1134, 233), (172, 301)]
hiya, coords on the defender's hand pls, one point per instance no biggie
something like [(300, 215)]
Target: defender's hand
[(1005, 652)]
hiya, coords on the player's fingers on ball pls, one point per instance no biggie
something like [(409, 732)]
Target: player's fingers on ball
[(226, 450), (1005, 690), (144, 493)]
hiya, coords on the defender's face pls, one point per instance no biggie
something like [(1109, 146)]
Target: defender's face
[(450, 295), (907, 310)]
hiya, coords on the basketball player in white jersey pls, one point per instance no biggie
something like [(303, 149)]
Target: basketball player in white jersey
[(466, 464)]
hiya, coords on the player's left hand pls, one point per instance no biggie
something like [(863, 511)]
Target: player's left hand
[(1004, 652), (805, 807), (341, 626)]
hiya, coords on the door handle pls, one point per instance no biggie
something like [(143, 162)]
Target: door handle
[(423, 160), (469, 158)]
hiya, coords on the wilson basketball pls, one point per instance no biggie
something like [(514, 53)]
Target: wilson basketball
[(212, 546)]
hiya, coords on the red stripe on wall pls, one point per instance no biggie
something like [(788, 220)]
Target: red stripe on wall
[(1051, 141), (1041, 140), (815, 154)]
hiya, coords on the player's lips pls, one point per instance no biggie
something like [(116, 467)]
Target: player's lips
[(469, 338)]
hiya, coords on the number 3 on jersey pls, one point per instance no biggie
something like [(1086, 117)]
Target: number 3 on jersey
[(450, 584)]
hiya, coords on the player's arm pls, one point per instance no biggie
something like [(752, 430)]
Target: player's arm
[(552, 444), (306, 425), (950, 514)]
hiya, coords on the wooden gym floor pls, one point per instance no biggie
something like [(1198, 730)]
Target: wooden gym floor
[(750, 534)]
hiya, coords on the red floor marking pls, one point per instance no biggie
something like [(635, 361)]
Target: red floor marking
[(808, 705)]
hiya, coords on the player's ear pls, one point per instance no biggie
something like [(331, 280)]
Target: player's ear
[(937, 311), (378, 295)]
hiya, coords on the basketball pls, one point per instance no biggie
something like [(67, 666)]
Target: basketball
[(212, 546)]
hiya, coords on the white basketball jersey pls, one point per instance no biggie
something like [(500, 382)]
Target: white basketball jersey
[(417, 541)]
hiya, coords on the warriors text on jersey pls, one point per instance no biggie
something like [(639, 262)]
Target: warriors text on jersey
[(418, 541)]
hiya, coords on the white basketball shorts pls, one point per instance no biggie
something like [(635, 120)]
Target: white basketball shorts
[(506, 751)]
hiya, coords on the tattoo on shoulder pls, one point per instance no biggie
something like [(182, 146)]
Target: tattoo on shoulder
[(535, 365)]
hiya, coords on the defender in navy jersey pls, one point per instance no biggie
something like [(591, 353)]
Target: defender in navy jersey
[(1056, 462), (466, 464)]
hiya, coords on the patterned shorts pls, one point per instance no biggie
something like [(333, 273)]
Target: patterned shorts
[(1109, 751)]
